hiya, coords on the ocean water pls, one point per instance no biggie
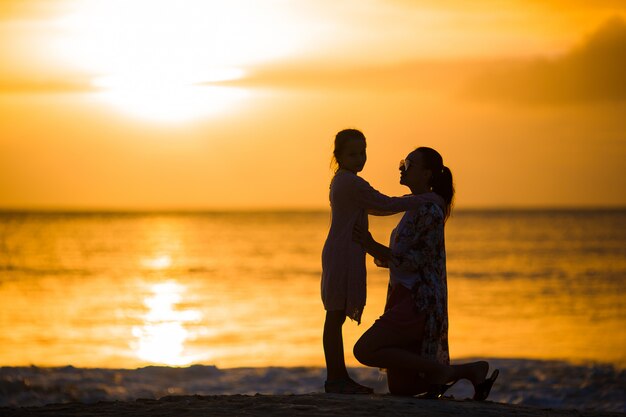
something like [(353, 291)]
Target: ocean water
[(124, 290), (91, 297)]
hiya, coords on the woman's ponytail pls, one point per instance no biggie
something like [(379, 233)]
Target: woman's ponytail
[(441, 181), (443, 185)]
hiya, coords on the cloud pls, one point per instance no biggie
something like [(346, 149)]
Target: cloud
[(591, 72), (584, 4), (563, 5), (430, 76), (51, 85)]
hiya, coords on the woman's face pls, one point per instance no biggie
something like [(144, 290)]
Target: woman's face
[(353, 156), (413, 174)]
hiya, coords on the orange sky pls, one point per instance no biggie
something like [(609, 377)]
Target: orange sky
[(159, 104)]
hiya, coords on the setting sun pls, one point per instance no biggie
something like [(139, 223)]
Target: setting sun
[(163, 60)]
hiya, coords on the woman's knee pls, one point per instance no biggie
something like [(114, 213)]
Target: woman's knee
[(366, 350), (362, 352)]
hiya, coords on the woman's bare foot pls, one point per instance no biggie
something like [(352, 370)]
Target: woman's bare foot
[(476, 372), (482, 390), (440, 382)]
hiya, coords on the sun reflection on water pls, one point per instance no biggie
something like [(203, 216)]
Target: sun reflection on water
[(157, 263), (162, 337)]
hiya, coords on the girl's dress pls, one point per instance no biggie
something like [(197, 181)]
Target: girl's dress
[(343, 260), (417, 303)]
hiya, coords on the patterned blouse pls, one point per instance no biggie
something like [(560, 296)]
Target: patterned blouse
[(418, 261)]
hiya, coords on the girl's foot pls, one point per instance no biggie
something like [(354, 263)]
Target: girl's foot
[(346, 386)]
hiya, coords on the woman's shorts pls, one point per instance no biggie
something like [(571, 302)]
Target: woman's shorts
[(401, 316)]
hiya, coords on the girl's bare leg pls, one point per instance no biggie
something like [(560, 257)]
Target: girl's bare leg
[(333, 346)]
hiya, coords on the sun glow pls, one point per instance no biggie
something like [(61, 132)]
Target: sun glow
[(162, 337), (164, 59)]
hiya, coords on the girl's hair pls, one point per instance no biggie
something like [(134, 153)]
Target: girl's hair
[(341, 139), (441, 180)]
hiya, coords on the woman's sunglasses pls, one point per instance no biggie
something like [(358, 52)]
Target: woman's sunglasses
[(405, 164)]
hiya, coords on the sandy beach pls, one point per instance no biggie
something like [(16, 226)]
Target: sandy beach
[(525, 388), (300, 405)]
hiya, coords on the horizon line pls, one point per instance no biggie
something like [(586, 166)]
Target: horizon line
[(311, 209)]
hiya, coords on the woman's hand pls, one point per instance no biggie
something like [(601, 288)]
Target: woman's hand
[(381, 264), (381, 253)]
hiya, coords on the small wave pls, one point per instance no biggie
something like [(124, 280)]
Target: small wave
[(552, 384), (30, 271), (504, 274)]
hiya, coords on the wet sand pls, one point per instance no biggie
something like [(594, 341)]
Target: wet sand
[(290, 405)]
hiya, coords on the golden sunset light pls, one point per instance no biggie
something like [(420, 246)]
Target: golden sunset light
[(148, 57), (151, 104), (192, 208)]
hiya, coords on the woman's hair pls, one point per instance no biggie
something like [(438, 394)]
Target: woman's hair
[(341, 140), (441, 180)]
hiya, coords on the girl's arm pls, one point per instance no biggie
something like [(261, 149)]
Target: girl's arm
[(381, 212), (379, 204)]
